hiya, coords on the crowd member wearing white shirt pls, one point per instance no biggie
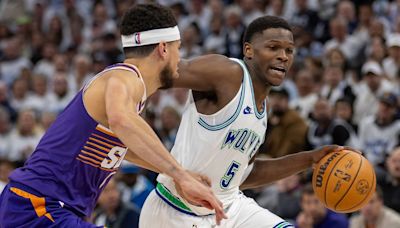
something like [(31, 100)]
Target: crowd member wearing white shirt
[(391, 63), (371, 87), (380, 134)]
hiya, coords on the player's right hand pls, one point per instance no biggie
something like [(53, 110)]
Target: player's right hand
[(199, 193)]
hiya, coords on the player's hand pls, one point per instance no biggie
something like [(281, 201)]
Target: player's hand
[(320, 152), (199, 193), (202, 178)]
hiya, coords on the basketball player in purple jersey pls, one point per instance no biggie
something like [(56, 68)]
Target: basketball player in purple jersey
[(62, 180)]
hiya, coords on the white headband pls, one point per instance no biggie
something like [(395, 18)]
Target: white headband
[(151, 37)]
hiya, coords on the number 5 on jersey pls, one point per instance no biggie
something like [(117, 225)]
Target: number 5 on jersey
[(230, 173)]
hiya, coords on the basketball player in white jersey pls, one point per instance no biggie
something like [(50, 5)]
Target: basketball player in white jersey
[(221, 130)]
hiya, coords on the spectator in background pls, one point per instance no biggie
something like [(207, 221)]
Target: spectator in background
[(305, 17), (170, 119), (12, 62), (375, 214), (335, 86), (305, 101), (389, 180), (111, 51), (5, 101), (61, 94), (348, 44), (20, 94), (376, 51), (314, 214), (190, 42), (46, 119), (372, 86), (25, 137), (6, 167), (112, 212), (249, 11), (276, 8), (380, 134), (282, 198), (81, 72), (344, 111), (234, 32), (346, 10), (392, 62), (5, 128), (325, 129), (214, 43), (283, 121), (135, 186), (40, 98), (45, 65), (200, 13)]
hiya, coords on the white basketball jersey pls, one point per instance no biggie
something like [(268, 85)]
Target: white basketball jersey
[(219, 145)]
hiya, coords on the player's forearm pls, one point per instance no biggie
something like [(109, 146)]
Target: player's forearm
[(134, 158), (134, 132), (266, 170)]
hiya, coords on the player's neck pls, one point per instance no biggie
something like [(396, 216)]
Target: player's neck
[(260, 89), (149, 72)]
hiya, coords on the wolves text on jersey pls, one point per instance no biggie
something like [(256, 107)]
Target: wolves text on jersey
[(244, 140)]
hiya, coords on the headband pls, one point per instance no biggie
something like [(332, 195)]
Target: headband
[(151, 37)]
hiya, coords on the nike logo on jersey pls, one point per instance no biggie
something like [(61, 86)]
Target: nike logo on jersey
[(247, 110)]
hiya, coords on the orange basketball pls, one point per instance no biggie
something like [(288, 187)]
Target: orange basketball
[(344, 181)]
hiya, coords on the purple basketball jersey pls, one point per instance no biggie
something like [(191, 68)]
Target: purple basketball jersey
[(75, 159)]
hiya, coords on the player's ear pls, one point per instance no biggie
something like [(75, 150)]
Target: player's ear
[(248, 50), (162, 49)]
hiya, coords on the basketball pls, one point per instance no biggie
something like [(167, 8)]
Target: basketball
[(344, 181)]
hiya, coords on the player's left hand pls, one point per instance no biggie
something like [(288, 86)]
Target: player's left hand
[(319, 153)]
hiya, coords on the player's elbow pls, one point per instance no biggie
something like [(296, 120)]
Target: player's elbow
[(116, 121)]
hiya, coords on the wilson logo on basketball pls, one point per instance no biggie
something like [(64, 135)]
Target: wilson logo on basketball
[(322, 170)]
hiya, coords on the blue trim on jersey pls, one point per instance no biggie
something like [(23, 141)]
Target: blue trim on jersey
[(231, 119), (256, 112), (173, 206), (283, 224)]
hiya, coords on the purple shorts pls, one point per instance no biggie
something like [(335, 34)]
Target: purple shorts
[(20, 207)]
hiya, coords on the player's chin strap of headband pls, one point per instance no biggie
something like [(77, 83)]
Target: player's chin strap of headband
[(151, 37)]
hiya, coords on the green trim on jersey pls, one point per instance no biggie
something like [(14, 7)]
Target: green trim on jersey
[(171, 198)]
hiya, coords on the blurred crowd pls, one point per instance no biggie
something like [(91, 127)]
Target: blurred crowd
[(343, 89)]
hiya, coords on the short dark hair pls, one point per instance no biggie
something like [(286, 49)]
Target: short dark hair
[(307, 190), (143, 17), (262, 23)]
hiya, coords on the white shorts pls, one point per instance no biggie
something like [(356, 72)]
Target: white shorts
[(243, 213)]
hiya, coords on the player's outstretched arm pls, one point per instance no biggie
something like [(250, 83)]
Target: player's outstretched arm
[(120, 94), (208, 73), (267, 170)]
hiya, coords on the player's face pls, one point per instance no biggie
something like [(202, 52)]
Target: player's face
[(312, 206), (373, 208), (170, 71), (393, 164), (272, 52)]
